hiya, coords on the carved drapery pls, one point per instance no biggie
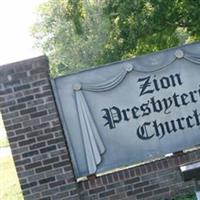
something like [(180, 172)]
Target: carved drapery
[(92, 141), (192, 58), (93, 144)]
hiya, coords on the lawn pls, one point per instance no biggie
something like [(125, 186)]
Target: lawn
[(191, 196), (3, 142), (9, 184)]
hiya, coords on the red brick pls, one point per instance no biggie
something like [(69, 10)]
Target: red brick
[(131, 181), (162, 190), (141, 184), (134, 192), (97, 190), (144, 195)]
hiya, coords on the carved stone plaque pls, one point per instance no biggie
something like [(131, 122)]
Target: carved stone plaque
[(132, 111)]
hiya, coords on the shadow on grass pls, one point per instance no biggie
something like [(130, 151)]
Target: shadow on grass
[(3, 142), (9, 183)]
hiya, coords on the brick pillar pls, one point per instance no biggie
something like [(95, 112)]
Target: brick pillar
[(34, 131)]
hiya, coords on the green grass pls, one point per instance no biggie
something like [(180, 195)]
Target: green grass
[(191, 196), (9, 184), (3, 142)]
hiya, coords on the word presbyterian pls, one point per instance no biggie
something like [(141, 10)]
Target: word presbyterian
[(115, 115)]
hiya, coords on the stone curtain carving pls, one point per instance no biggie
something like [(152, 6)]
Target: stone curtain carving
[(93, 144), (192, 58), (110, 84), (92, 141)]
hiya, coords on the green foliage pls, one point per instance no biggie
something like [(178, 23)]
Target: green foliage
[(190, 196), (77, 34), (143, 26), (3, 142), (71, 33)]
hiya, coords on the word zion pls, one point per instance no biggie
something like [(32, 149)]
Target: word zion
[(150, 85)]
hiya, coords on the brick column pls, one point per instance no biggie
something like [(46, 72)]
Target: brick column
[(34, 131)]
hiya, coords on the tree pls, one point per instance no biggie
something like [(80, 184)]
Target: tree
[(80, 33), (71, 33), (143, 26)]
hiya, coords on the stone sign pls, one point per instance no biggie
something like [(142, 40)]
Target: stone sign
[(131, 111)]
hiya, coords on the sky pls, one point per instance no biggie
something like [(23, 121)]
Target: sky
[(16, 18)]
